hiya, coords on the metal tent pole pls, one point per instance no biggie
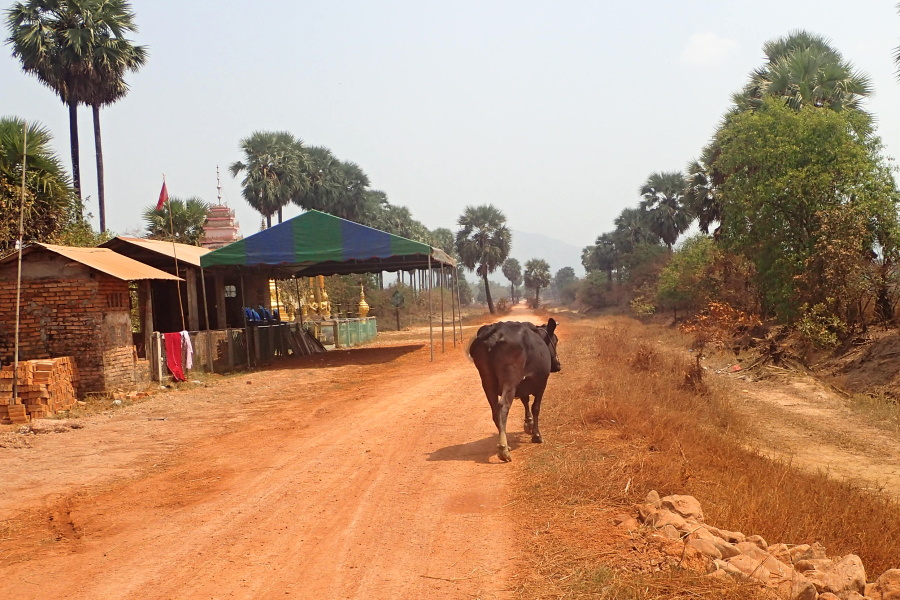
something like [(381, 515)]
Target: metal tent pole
[(430, 323), (452, 308), (459, 307)]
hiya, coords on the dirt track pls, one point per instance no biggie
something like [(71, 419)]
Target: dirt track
[(367, 473)]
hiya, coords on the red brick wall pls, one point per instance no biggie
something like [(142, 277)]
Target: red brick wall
[(69, 310)]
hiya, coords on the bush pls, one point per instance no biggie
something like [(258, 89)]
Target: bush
[(820, 327)]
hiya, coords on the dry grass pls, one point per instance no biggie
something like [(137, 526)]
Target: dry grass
[(632, 414)]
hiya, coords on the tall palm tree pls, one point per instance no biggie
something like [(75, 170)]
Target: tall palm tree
[(512, 270), (187, 220), (48, 192), (703, 183), (806, 70), (483, 242), (114, 56), (632, 229), (274, 170), (64, 42), (663, 203), (537, 276)]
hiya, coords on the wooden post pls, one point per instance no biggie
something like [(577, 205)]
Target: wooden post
[(229, 343), (157, 355), (205, 301), (219, 286), (145, 308), (193, 305)]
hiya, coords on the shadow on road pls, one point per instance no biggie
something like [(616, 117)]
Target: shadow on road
[(480, 451), (348, 356)]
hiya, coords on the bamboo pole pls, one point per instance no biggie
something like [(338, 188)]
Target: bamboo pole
[(15, 390)]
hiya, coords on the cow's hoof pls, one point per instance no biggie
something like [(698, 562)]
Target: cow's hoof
[(503, 453), (528, 425), (537, 439)]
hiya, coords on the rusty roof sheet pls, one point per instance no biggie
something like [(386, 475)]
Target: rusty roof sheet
[(183, 252), (101, 259)]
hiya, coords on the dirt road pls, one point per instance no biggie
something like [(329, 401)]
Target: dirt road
[(367, 473)]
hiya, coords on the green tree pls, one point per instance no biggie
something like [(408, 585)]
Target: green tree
[(686, 282), (187, 220), (793, 176), (564, 281), (666, 214), (483, 242), (76, 48), (802, 70), (48, 198), (537, 276), (512, 270), (275, 172)]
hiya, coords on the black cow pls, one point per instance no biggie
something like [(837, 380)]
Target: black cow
[(514, 360)]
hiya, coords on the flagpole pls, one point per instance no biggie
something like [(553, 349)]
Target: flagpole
[(164, 196)]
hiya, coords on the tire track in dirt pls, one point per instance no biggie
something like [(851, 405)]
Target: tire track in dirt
[(383, 486)]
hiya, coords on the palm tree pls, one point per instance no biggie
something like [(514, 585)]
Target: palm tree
[(48, 192), (805, 70), (483, 242), (512, 270), (663, 204), (704, 180), (274, 170), (537, 276), (76, 48), (633, 229), (605, 256), (187, 220), (113, 57)]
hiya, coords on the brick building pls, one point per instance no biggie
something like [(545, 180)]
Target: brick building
[(78, 302)]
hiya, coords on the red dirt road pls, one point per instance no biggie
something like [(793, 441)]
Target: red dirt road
[(368, 473)]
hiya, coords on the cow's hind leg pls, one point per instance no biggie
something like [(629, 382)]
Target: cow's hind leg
[(529, 419), (536, 411), (506, 399)]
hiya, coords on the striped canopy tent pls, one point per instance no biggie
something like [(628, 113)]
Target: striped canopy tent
[(316, 243)]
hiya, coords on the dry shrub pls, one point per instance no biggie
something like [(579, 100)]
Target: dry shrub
[(643, 358), (613, 434), (717, 323)]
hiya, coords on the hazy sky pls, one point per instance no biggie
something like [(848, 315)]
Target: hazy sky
[(554, 112)]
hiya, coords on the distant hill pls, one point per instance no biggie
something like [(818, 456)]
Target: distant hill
[(526, 246)]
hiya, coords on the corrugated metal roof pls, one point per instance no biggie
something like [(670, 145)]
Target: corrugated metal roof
[(103, 260), (183, 252)]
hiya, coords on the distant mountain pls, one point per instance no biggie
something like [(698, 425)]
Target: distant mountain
[(526, 246)]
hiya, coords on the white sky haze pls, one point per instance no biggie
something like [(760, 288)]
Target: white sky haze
[(556, 112)]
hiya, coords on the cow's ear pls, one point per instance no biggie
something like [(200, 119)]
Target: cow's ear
[(551, 325)]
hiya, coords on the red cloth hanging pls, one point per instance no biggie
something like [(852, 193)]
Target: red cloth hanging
[(173, 355)]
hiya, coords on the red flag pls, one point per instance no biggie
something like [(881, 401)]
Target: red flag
[(163, 196)]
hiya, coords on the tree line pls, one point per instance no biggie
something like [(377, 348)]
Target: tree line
[(794, 200)]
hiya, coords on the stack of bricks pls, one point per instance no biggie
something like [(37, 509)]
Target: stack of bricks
[(45, 387)]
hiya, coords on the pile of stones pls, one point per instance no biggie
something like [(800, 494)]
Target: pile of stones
[(798, 572)]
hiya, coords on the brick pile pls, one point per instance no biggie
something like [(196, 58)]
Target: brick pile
[(45, 387)]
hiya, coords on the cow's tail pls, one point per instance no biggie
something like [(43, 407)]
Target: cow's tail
[(487, 337)]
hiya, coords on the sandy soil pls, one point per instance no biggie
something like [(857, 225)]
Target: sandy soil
[(798, 418), (364, 473)]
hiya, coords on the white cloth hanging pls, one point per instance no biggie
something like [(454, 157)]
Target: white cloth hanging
[(188, 350)]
